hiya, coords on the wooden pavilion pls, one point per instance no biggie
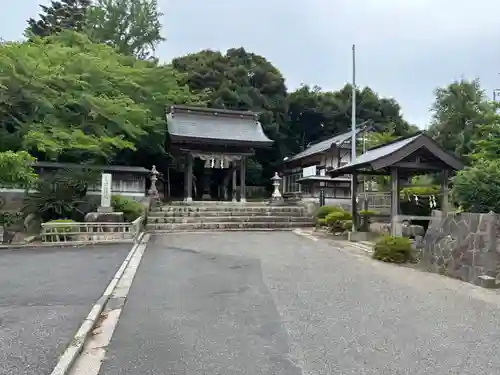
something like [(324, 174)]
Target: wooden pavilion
[(222, 139), (401, 159)]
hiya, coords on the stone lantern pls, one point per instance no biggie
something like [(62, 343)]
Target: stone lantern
[(276, 196)]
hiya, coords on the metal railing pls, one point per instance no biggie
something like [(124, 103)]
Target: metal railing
[(90, 232)]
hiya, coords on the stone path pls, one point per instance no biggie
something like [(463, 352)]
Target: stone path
[(45, 294), (279, 303)]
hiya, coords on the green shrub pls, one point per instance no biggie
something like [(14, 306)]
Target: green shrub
[(393, 249), (7, 219), (335, 220), (368, 213), (60, 227), (131, 208), (347, 225), (323, 211), (365, 219), (320, 222), (60, 195)]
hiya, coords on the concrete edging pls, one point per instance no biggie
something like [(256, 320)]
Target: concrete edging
[(67, 359), (64, 244)]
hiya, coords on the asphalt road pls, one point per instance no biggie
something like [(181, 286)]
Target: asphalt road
[(278, 303), (45, 294)]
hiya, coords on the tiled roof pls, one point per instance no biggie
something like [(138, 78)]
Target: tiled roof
[(105, 168), (215, 125), (325, 145), (377, 153)]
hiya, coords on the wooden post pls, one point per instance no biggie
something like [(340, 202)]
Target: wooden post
[(168, 183), (233, 197), (242, 180), (354, 209), (395, 224), (188, 179), (444, 192)]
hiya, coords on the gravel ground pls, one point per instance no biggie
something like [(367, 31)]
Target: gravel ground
[(45, 294), (278, 303)]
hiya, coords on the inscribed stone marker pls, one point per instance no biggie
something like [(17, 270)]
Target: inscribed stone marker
[(106, 190)]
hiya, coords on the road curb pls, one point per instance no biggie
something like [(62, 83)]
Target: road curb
[(36, 245), (67, 359)]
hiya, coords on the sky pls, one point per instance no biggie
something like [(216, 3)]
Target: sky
[(404, 48)]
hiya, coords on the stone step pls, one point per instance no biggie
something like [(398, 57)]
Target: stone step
[(227, 213), (225, 226), (217, 203), (262, 209), (228, 219)]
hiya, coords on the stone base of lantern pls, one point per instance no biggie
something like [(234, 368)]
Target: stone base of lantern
[(276, 201), (106, 210), (104, 217)]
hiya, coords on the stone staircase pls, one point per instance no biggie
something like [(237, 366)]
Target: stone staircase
[(209, 216)]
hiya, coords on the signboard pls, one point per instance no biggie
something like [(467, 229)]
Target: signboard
[(309, 171), (106, 190)]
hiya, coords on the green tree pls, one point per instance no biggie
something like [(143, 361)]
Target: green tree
[(459, 110), (477, 188), (486, 140), (133, 27), (315, 114), (68, 99), (58, 16), (245, 81), (16, 169)]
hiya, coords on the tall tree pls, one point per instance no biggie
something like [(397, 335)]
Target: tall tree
[(58, 16), (315, 114), (486, 139), (459, 110), (133, 27), (242, 80), (68, 99)]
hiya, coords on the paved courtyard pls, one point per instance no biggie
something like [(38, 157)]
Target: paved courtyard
[(45, 294), (279, 303)]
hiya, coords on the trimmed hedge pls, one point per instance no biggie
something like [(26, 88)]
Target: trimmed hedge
[(131, 208), (336, 220), (393, 249), (323, 211)]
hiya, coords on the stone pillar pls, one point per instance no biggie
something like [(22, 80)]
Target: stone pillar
[(242, 180), (106, 183), (444, 192), (188, 179), (354, 193), (233, 195), (396, 226)]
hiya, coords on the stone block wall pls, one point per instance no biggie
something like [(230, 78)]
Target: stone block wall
[(465, 246)]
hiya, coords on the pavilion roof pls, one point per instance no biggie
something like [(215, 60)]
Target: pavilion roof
[(326, 144), (394, 154), (215, 126)]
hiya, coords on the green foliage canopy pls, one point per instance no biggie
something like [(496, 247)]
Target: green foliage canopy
[(64, 97), (16, 169), (131, 26)]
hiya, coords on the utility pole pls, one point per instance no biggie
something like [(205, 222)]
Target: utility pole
[(354, 177), (353, 116)]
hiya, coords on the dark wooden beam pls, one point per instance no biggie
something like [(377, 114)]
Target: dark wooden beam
[(417, 166)]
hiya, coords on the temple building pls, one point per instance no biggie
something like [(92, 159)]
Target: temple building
[(305, 174), (214, 143)]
